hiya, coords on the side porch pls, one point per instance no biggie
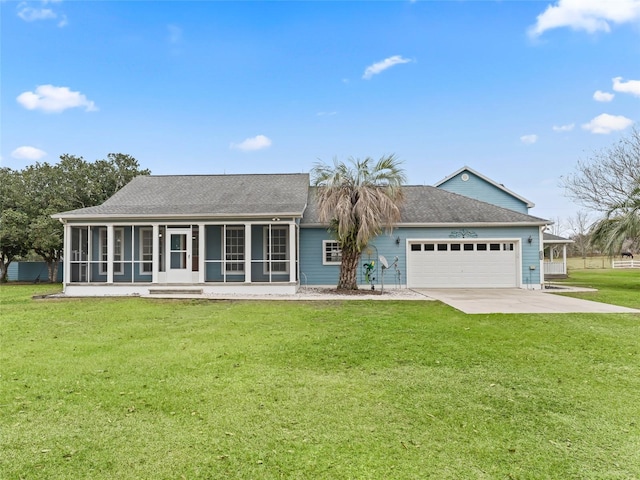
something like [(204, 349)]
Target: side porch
[(142, 258)]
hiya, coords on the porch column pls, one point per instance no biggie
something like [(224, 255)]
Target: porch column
[(247, 253), (293, 252), (155, 252), (110, 241), (564, 259), (201, 252), (66, 267)]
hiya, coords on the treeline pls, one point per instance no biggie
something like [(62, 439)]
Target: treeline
[(30, 196)]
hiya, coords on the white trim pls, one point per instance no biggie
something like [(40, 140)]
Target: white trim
[(156, 252), (248, 272), (447, 225), (109, 241), (202, 248), (103, 218), (66, 252), (218, 290), (293, 252)]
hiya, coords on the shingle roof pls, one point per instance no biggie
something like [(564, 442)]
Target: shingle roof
[(206, 195), (431, 205), (259, 195), (551, 238)]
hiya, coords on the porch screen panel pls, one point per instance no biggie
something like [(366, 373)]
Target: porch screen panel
[(79, 261), (143, 254), (234, 250), (278, 251), (123, 254), (213, 253)]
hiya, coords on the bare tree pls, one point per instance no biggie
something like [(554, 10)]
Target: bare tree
[(579, 226), (608, 177)]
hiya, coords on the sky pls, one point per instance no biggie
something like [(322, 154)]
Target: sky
[(519, 91)]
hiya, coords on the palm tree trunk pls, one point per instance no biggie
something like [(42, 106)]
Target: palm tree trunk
[(349, 270)]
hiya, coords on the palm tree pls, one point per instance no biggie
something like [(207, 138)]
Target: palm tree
[(621, 223), (358, 199)]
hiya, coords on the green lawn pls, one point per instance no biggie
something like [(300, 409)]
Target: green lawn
[(618, 287), (152, 389)]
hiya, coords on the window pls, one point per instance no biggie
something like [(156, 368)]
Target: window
[(146, 250), (234, 249), (416, 247), (429, 247), (442, 247), (481, 247), (118, 240), (494, 247), (275, 245), (507, 247), (331, 253), (468, 247), (455, 247)]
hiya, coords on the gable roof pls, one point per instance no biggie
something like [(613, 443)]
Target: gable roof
[(162, 196), (499, 186), (426, 205)]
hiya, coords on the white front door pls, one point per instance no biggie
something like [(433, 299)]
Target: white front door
[(179, 258)]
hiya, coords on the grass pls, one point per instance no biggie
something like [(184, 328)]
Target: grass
[(617, 287), (152, 389)]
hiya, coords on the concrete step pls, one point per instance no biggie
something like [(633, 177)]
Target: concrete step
[(175, 291)]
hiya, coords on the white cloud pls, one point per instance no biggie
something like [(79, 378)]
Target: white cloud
[(631, 86), (54, 99), (564, 128), (529, 139), (251, 144), (30, 14), (28, 153), (33, 14), (600, 96), (606, 123), (588, 15), (379, 67)]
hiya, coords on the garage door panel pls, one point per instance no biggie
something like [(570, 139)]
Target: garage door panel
[(463, 268)]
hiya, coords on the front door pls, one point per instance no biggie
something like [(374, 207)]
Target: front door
[(179, 258)]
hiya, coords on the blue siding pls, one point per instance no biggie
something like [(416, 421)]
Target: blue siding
[(315, 273), (30, 271), (480, 189)]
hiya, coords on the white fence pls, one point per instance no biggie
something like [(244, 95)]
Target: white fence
[(554, 268), (625, 264)]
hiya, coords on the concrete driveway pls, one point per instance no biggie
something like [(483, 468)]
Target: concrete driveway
[(516, 300)]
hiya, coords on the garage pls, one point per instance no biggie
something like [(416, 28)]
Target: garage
[(463, 264)]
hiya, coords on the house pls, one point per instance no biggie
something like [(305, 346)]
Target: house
[(260, 234)]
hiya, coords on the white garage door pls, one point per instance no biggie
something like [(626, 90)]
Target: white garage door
[(462, 264)]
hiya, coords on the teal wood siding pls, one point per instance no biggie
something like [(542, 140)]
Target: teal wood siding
[(480, 189), (315, 273), (31, 272), (312, 271)]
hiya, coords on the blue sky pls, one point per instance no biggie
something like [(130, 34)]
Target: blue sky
[(519, 91)]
